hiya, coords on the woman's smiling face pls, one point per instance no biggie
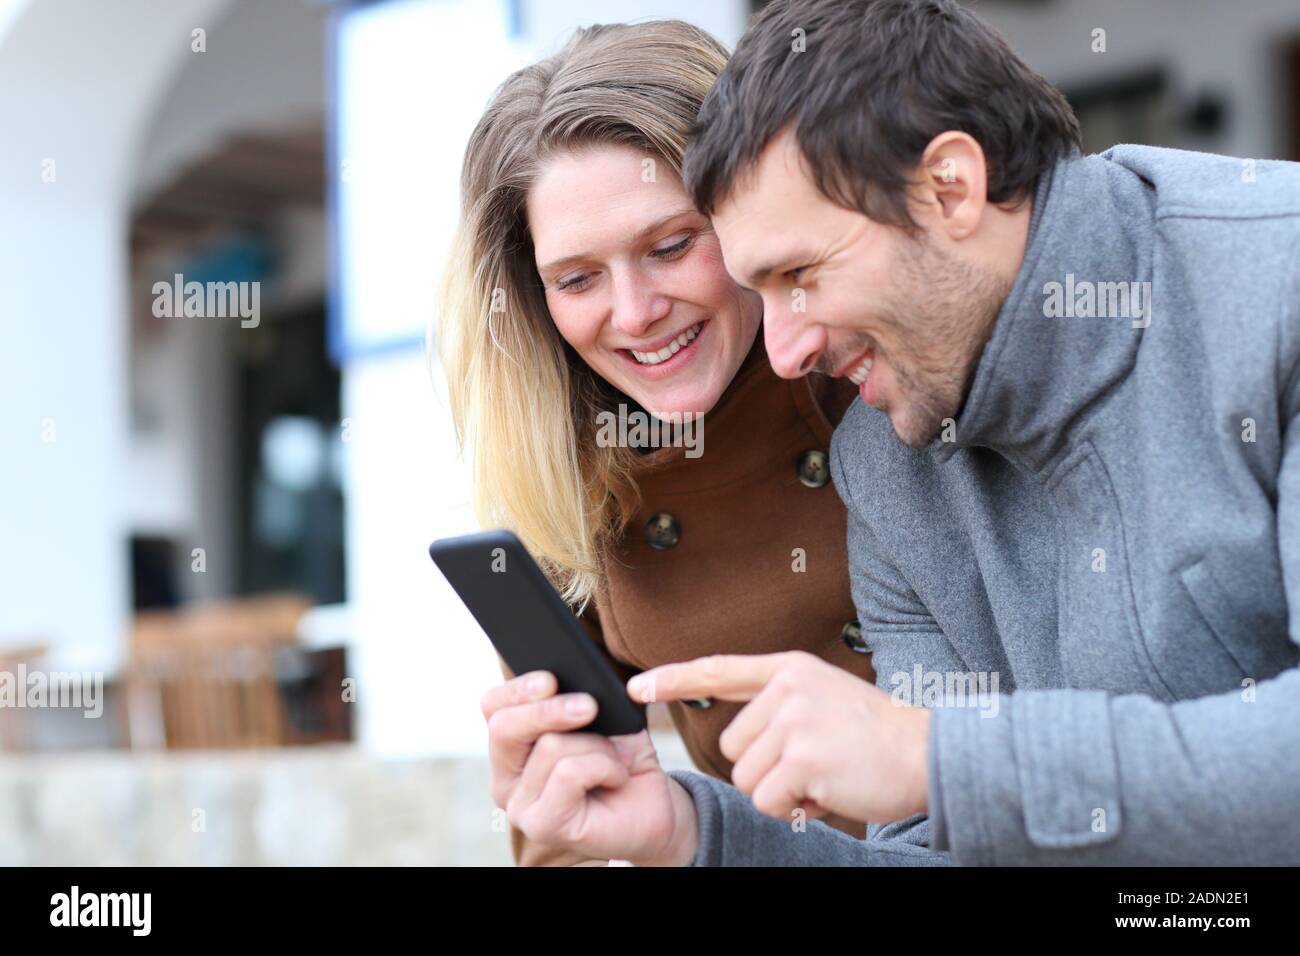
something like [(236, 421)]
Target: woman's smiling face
[(635, 280)]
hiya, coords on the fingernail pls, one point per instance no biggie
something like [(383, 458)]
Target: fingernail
[(577, 706), (536, 684), (635, 685)]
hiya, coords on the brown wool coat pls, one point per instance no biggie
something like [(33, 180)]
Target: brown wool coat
[(729, 584)]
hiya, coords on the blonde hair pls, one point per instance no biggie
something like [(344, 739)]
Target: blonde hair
[(523, 402)]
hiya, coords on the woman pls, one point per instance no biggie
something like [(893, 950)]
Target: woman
[(585, 282)]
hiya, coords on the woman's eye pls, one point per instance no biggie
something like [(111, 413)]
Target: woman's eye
[(573, 283), (667, 252), (793, 274)]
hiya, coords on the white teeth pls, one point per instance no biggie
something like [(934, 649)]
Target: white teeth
[(671, 349), (859, 374)]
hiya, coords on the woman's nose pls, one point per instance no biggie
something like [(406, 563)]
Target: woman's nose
[(638, 305)]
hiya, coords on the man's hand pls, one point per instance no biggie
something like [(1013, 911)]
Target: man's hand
[(813, 736)]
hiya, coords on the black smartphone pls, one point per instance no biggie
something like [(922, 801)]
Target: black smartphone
[(530, 625)]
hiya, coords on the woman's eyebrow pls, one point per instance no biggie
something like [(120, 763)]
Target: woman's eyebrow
[(635, 237), (663, 221)]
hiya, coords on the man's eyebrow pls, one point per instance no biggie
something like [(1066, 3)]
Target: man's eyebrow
[(635, 237), (759, 275)]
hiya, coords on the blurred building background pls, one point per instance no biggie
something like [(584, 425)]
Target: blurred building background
[(224, 520)]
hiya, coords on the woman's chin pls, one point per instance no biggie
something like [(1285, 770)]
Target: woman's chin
[(678, 401)]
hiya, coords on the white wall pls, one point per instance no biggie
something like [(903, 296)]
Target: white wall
[(77, 80), (116, 97)]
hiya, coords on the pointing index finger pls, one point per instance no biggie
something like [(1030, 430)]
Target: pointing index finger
[(736, 677)]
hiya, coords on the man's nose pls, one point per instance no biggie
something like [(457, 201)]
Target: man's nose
[(637, 305), (793, 344)]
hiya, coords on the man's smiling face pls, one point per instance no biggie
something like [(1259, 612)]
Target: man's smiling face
[(902, 316)]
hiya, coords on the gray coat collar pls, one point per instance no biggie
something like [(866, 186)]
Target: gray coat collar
[(1091, 220)]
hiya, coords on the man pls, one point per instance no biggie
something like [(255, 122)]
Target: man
[(1074, 500)]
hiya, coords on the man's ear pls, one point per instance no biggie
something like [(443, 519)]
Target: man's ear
[(953, 181)]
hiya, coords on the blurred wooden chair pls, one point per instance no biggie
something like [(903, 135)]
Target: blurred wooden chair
[(204, 676)]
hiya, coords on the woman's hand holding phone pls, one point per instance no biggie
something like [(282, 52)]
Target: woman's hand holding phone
[(603, 797)]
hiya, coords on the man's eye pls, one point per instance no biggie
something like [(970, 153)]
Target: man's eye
[(667, 252), (793, 274)]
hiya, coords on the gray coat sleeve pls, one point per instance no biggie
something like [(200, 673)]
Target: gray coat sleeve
[(1080, 777), (733, 833)]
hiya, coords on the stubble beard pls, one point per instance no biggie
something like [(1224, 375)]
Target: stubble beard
[(943, 320)]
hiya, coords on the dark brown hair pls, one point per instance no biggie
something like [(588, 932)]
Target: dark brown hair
[(876, 81)]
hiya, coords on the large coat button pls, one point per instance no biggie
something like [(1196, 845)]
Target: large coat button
[(814, 469), (662, 531), (852, 634)]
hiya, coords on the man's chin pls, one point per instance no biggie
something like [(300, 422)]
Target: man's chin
[(913, 430)]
